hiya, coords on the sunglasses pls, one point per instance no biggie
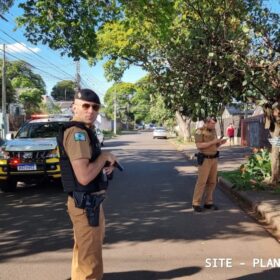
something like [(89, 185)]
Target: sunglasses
[(94, 107)]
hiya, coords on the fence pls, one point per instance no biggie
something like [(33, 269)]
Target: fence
[(253, 133)]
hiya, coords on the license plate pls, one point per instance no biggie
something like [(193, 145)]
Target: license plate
[(26, 167)]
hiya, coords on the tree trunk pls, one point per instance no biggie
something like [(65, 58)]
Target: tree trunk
[(184, 124), (272, 122), (275, 163)]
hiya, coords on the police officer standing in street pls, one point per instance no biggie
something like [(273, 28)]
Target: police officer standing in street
[(84, 169), (207, 158)]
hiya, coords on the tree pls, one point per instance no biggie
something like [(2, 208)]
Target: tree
[(68, 26), (123, 93), (263, 75), (10, 91), (64, 90), (23, 84), (200, 53), (5, 6), (21, 76), (195, 50), (159, 112), (141, 100), (31, 100)]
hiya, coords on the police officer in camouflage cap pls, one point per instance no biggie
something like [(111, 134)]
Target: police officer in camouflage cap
[(88, 163)]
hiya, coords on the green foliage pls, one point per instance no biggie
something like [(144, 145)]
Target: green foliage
[(10, 91), (5, 5), (142, 100), (31, 100), (253, 174), (200, 54), (21, 76), (239, 182), (258, 167), (68, 26), (191, 58), (159, 112), (63, 90), (123, 93)]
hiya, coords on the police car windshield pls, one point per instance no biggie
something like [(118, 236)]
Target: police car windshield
[(39, 130)]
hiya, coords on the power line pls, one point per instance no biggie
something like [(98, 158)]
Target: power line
[(40, 70), (24, 55), (43, 59)]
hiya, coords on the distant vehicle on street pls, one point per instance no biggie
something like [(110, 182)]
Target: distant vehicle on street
[(160, 132), (149, 126)]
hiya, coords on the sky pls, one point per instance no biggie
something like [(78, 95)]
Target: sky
[(53, 67)]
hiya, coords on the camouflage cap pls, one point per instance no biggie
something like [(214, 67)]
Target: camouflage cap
[(87, 95)]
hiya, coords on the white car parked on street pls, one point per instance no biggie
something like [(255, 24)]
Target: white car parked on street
[(160, 132)]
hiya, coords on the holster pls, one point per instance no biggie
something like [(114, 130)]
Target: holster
[(91, 203), (92, 208), (200, 158), (79, 199)]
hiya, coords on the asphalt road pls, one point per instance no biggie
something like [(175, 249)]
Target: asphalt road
[(152, 232)]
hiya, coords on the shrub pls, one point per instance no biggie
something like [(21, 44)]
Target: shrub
[(258, 167)]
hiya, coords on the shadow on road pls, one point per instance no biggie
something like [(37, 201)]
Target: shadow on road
[(33, 220), (152, 275), (150, 200)]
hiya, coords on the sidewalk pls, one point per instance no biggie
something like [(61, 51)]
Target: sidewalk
[(265, 205)]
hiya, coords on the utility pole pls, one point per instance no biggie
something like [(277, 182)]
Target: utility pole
[(78, 76), (4, 93), (115, 112)]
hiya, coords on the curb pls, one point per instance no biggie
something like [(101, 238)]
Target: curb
[(228, 188), (260, 211)]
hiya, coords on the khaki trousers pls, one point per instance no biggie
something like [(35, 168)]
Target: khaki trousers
[(87, 261), (206, 182)]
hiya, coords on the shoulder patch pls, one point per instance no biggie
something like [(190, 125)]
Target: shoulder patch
[(80, 136)]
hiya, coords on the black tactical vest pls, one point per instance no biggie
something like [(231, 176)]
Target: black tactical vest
[(68, 178)]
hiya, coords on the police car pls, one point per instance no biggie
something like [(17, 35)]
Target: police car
[(32, 154)]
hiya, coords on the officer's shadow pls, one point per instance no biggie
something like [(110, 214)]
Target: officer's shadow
[(152, 275)]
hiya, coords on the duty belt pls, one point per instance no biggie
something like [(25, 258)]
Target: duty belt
[(211, 156)]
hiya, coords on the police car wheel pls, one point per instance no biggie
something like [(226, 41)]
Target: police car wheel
[(9, 186)]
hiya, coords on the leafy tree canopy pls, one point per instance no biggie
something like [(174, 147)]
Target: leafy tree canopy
[(64, 90), (68, 26), (123, 93), (21, 76), (29, 86), (200, 53), (5, 6), (31, 100)]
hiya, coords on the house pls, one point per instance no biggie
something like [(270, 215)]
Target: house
[(234, 110), (233, 114), (103, 123)]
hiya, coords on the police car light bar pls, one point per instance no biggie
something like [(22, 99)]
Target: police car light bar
[(49, 116)]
